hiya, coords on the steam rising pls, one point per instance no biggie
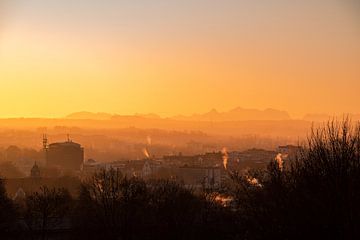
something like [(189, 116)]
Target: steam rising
[(146, 153), (279, 161), (225, 157)]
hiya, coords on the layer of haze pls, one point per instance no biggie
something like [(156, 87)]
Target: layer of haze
[(178, 57)]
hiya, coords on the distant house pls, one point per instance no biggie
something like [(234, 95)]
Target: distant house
[(147, 169), (251, 158), (199, 177), (289, 150), (91, 166)]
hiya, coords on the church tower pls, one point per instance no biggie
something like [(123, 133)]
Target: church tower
[(35, 171)]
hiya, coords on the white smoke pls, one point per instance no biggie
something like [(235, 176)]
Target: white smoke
[(279, 161), (146, 153), (225, 157)]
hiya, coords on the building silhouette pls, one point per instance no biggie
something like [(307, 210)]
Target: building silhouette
[(64, 155), (35, 171)]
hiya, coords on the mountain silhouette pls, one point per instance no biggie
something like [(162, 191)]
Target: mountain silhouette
[(238, 114), (90, 115), (84, 115)]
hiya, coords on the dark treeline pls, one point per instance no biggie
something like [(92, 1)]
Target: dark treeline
[(313, 196)]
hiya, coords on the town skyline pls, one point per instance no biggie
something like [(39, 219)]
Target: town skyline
[(179, 119)]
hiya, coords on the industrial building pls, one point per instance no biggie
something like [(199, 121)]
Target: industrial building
[(64, 155)]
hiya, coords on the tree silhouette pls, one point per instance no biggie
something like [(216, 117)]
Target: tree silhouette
[(112, 204), (175, 208), (316, 195), (123, 208), (46, 209), (7, 212)]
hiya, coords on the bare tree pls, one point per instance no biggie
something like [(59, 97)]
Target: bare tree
[(175, 208), (112, 204), (45, 210), (316, 195)]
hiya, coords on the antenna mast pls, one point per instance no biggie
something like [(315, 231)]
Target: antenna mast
[(45, 146), (45, 142)]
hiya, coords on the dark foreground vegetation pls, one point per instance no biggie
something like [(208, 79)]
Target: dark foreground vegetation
[(314, 196)]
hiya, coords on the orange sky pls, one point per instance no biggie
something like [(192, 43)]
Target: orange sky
[(178, 57)]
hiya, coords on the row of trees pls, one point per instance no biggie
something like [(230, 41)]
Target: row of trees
[(110, 206), (313, 196)]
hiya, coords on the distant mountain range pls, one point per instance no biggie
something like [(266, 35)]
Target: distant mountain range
[(236, 114), (105, 116), (238, 122), (90, 115)]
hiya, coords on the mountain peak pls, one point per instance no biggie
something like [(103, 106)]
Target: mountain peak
[(213, 111), (240, 114)]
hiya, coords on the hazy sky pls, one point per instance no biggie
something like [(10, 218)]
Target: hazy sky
[(185, 56)]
